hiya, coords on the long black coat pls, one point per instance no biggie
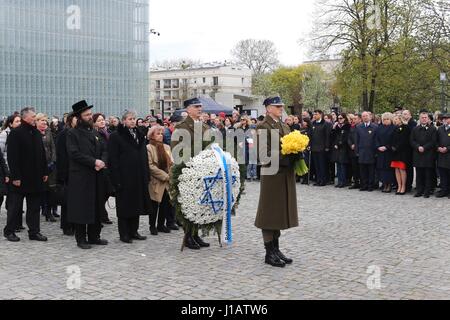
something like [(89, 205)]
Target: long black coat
[(340, 151), (62, 163), (320, 136), (130, 173), (383, 138), (84, 182), (26, 159), (444, 141), (427, 138), (365, 143), (401, 148)]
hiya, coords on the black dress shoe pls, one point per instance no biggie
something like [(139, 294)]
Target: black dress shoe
[(173, 227), (426, 196), (12, 237), (355, 186), (418, 195), (98, 242), (363, 189), (37, 237), (84, 245), (137, 236), (126, 239), (441, 195), (191, 243), (153, 231), (200, 242), (163, 229)]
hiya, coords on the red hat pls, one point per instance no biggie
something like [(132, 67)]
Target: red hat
[(222, 115)]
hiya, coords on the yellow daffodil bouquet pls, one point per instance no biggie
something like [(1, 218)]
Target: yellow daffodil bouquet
[(293, 145)]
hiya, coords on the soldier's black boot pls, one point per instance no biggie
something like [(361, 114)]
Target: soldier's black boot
[(200, 242), (271, 256), (191, 243), (276, 245)]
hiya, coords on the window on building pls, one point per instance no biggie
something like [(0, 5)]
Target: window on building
[(175, 84), (216, 81), (167, 95), (203, 91), (158, 84), (204, 80), (166, 84), (243, 80)]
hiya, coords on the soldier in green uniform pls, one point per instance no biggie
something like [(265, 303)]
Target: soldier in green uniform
[(195, 128), (277, 209)]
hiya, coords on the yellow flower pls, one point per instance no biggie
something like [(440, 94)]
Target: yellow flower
[(294, 143)]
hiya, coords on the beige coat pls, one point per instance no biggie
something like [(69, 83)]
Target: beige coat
[(159, 178)]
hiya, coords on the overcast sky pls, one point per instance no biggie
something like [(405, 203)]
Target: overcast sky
[(208, 29)]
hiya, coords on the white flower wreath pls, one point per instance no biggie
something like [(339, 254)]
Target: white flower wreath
[(201, 191)]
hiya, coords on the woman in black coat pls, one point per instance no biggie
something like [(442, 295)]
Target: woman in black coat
[(340, 150), (103, 136), (401, 152), (383, 140), (130, 175)]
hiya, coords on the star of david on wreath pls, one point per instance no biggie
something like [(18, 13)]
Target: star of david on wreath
[(207, 198)]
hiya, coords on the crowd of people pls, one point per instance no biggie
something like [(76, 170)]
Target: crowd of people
[(79, 162), (370, 152)]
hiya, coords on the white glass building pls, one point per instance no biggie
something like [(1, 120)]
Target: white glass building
[(54, 53)]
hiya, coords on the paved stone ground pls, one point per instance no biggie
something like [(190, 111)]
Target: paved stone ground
[(345, 239)]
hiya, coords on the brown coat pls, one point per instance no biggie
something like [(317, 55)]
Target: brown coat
[(159, 178), (277, 209)]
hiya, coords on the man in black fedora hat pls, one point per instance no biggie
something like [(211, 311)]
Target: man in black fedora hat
[(87, 159)]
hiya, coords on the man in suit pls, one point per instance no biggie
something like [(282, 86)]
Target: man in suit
[(277, 207), (190, 133), (87, 159), (443, 149), (28, 173), (365, 149), (423, 141), (356, 121), (320, 145)]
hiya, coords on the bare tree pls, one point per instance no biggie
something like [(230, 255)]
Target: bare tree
[(260, 56)]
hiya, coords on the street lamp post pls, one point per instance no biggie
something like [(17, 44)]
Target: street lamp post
[(443, 99), (161, 102)]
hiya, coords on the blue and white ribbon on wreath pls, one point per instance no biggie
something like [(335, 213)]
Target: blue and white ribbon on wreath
[(224, 160)]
